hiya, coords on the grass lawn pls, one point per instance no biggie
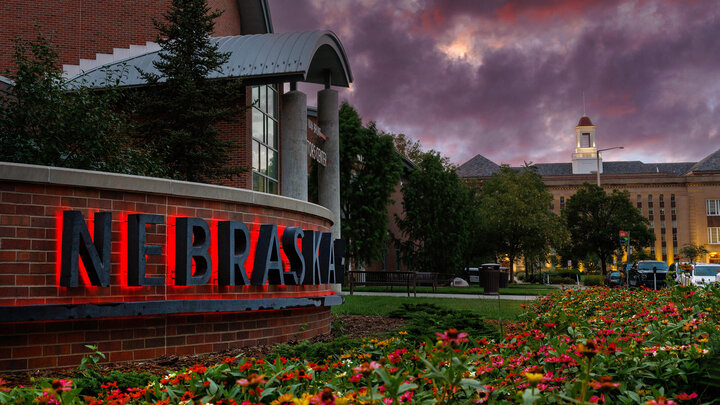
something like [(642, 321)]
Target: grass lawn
[(515, 289), (488, 308)]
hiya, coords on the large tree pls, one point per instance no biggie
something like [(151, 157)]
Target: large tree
[(516, 217), (439, 217), (595, 218), (181, 108), (43, 123), (370, 170)]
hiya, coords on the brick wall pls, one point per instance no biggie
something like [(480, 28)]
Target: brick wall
[(57, 344), (30, 220), (82, 28)]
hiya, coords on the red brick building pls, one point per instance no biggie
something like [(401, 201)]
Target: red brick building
[(41, 325)]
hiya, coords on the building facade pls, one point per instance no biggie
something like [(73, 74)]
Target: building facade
[(681, 200)]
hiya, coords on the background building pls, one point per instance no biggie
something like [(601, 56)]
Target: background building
[(681, 200)]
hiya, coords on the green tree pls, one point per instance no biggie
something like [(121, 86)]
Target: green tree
[(515, 213), (595, 218), (439, 216), (370, 170), (43, 123), (181, 108), (692, 251)]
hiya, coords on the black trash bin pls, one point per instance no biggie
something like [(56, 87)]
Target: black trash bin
[(490, 278), (504, 277)]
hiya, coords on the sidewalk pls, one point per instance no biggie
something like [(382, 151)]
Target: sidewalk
[(431, 295)]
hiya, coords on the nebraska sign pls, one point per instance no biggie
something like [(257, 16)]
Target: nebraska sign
[(313, 257)]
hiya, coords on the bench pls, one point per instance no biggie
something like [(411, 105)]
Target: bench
[(428, 279), (382, 279)]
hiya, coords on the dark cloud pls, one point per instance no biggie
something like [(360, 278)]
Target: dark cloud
[(505, 78)]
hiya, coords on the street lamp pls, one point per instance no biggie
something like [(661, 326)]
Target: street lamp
[(597, 160)]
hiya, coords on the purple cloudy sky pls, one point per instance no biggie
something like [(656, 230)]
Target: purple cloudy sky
[(505, 78)]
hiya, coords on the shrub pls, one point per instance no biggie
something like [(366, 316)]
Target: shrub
[(424, 320), (593, 280)]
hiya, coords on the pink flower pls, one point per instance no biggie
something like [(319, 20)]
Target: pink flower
[(452, 336), (685, 396)]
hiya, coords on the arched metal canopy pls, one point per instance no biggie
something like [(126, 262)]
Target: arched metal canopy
[(312, 56)]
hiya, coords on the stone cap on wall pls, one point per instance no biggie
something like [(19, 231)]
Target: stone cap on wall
[(125, 182)]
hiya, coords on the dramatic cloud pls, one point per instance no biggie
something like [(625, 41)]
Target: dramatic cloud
[(505, 79)]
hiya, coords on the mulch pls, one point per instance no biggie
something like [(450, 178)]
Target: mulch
[(353, 326)]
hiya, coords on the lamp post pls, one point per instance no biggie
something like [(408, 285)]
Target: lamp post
[(597, 160)]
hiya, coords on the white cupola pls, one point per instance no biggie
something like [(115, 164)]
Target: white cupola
[(585, 159)]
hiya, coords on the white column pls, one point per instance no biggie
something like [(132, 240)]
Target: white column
[(329, 176), (293, 145)]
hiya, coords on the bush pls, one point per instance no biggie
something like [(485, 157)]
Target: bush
[(424, 320), (563, 280), (593, 280)]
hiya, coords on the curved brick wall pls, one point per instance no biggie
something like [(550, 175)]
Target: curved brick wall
[(32, 199)]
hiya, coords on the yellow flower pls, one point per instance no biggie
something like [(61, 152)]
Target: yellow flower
[(402, 332), (534, 378), (282, 399)]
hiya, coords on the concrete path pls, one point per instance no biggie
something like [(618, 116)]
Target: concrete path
[(431, 295)]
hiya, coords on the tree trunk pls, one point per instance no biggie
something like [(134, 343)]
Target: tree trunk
[(602, 265)]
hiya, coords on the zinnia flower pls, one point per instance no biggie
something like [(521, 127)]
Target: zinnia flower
[(452, 336)]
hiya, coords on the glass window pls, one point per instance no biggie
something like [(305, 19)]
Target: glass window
[(650, 198), (265, 159), (714, 235), (713, 207)]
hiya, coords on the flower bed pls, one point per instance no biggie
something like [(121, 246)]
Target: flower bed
[(598, 345)]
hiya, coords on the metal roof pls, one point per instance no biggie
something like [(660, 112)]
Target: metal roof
[(6, 81), (480, 166), (710, 164), (264, 58)]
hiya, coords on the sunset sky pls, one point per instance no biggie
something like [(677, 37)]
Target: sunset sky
[(505, 78)]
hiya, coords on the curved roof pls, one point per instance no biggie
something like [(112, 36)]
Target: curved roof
[(585, 121), (264, 58), (6, 81)]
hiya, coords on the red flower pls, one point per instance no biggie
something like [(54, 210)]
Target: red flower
[(605, 384), (685, 396), (660, 401)]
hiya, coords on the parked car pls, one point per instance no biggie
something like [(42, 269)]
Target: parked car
[(701, 274), (648, 273), (615, 279)]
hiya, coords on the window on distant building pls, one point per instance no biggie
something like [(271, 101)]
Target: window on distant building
[(714, 236), (639, 201), (713, 207), (562, 203), (585, 143), (265, 156)]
